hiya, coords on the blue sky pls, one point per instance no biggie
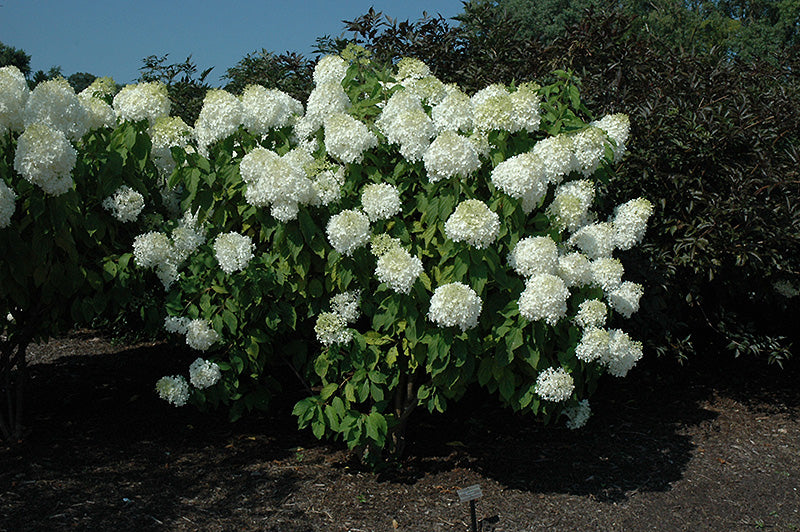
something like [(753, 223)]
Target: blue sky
[(110, 38)]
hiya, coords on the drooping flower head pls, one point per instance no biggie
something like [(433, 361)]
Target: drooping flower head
[(200, 335), (625, 298), (630, 222), (578, 415), (623, 353), (204, 373), (455, 304), (174, 389), (618, 128), (380, 201), (125, 204), (474, 223)]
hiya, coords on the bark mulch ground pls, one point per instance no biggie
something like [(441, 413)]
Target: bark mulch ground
[(714, 445)]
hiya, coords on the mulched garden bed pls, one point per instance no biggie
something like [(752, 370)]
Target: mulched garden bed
[(714, 445)]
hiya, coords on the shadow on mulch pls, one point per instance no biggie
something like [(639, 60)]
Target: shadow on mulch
[(101, 442)]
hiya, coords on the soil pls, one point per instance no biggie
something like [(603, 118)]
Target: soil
[(712, 445)]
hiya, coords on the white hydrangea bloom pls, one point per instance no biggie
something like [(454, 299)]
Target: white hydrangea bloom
[(382, 243), (125, 204), (176, 324), (187, 236), (534, 255), (325, 98), (168, 132), (346, 305), (14, 95), (380, 201), (453, 113), (55, 104), (331, 328), (429, 89), (525, 102), (556, 154), (346, 139), (327, 186), (330, 69), (455, 304), (151, 249), (623, 353), (98, 113), (578, 415), (265, 109), (593, 345), (493, 109), (204, 373), (398, 269), (625, 298), (607, 273), (7, 204), (596, 240), (591, 313), (589, 148), (100, 88), (521, 176), (544, 298), (630, 222), (174, 390), (618, 128), (575, 269), (220, 117), (284, 211), (570, 206), (411, 68), (403, 121), (450, 155), (167, 273), (200, 335), (554, 384), (348, 231), (142, 101), (233, 251), (281, 181), (474, 223), (45, 158)]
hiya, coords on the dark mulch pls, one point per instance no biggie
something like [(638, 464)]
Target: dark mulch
[(713, 446)]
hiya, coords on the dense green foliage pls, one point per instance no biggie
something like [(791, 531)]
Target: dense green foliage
[(289, 72)]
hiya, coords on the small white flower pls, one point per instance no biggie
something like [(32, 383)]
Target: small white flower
[(623, 353)]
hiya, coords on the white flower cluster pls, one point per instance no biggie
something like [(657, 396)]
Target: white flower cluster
[(403, 121), (168, 132), (125, 204), (174, 389), (453, 113), (533, 255), (331, 327), (596, 240), (607, 273), (570, 206), (544, 298), (613, 349), (53, 103), (398, 269), (411, 68), (327, 186), (142, 101), (204, 373), (330, 69), (220, 117), (556, 154), (14, 95), (348, 231), (200, 335), (625, 298), (578, 415), (382, 243), (233, 251), (176, 324), (380, 201), (630, 222), (98, 113), (523, 177), (591, 313), (618, 128), (265, 109), (493, 109), (589, 147), (575, 269), (7, 204), (429, 89), (45, 158), (325, 99), (450, 155), (455, 304), (346, 139), (474, 223), (155, 250), (554, 384), (277, 181)]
